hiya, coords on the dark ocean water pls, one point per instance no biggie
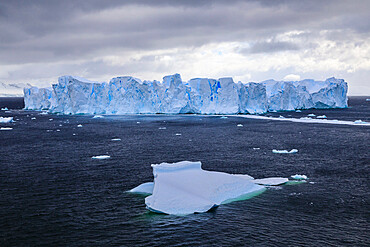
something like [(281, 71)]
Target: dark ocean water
[(53, 194)]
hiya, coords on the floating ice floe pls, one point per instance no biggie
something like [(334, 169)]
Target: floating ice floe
[(360, 122), (256, 148), (184, 188), (239, 125), (311, 115), (162, 128), (79, 126), (101, 157), (116, 139), (6, 128), (178, 134), (5, 109), (293, 151), (98, 116), (50, 119), (33, 118), (6, 119), (323, 116), (299, 177), (58, 130)]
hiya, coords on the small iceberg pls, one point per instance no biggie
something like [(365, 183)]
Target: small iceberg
[(33, 118), (184, 188), (223, 117), (299, 177), (162, 128), (101, 157), (178, 134), (79, 126), (323, 116), (239, 125), (256, 148), (5, 109), (116, 139), (359, 122), (50, 119), (298, 111), (311, 115), (6, 128), (6, 119), (98, 116), (293, 151)]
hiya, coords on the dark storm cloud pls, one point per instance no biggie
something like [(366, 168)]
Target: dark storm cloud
[(53, 31)]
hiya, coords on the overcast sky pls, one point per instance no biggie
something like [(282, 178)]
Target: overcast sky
[(247, 40)]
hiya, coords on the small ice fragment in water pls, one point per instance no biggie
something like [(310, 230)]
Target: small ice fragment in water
[(80, 125), (50, 119), (298, 111), (367, 99), (256, 148), (6, 119), (178, 134), (223, 117), (311, 115), (33, 118), (58, 130), (6, 128), (74, 134), (323, 116), (44, 113), (281, 116), (116, 139), (359, 121), (299, 177), (162, 128), (137, 122), (49, 130), (5, 109), (98, 116), (101, 157), (240, 125), (293, 151)]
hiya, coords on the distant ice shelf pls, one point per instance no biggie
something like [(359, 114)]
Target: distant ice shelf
[(130, 95)]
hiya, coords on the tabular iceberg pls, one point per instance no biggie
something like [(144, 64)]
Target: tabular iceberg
[(129, 95), (184, 188)]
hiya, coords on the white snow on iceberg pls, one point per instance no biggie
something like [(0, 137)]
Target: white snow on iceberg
[(129, 95)]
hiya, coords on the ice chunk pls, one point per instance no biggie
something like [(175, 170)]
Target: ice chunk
[(5, 109), (223, 117), (80, 125), (101, 157), (256, 148), (298, 111), (299, 177), (184, 188), (116, 139), (145, 188), (178, 134), (323, 116), (239, 125), (98, 116), (162, 128), (293, 151), (311, 115), (367, 99), (33, 118), (6, 119), (360, 122), (6, 128)]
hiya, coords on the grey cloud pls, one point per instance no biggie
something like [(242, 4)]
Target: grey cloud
[(46, 31), (271, 47)]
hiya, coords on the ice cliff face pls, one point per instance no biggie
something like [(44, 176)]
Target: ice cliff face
[(129, 95)]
